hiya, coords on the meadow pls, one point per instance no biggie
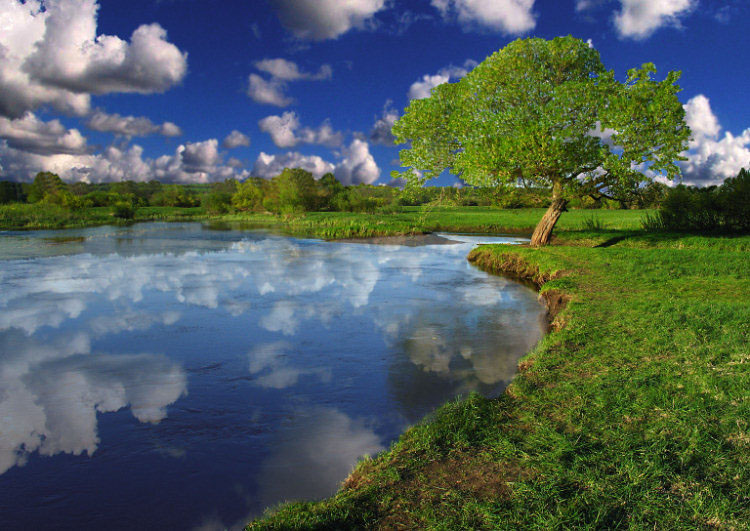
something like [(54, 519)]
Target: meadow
[(333, 225)]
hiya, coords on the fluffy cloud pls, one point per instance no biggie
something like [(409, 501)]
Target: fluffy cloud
[(32, 135), (268, 166), (289, 71), (194, 162), (421, 88), (319, 20), (130, 125), (701, 119), (235, 139), (712, 158), (30, 145), (268, 92), (638, 19), (50, 54), (381, 129), (358, 165), (511, 17), (272, 91), (286, 132)]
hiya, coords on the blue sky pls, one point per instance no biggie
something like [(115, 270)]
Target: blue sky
[(198, 91)]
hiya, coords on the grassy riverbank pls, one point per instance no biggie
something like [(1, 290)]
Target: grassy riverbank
[(332, 225), (20, 216), (633, 413)]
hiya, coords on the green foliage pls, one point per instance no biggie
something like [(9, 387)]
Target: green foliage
[(248, 197), (296, 190), (45, 184), (529, 114), (330, 188), (11, 192), (123, 210), (725, 208), (100, 198), (217, 202), (174, 195)]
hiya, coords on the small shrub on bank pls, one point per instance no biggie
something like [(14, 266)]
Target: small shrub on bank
[(217, 202), (123, 210)]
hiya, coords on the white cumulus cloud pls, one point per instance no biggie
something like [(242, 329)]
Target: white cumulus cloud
[(268, 91), (50, 54), (357, 165), (29, 145), (285, 131), (289, 71), (282, 71), (130, 125), (318, 20), (639, 19), (268, 166), (381, 129), (235, 139), (511, 17), (712, 158), (32, 135), (700, 118), (422, 87)]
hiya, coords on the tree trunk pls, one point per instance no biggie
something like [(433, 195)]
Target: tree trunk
[(543, 231)]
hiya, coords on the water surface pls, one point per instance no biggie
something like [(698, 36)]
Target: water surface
[(168, 376)]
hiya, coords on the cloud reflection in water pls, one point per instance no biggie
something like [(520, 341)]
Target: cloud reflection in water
[(318, 352)]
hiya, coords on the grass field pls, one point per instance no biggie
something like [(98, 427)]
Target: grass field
[(36, 216), (406, 220), (634, 413)]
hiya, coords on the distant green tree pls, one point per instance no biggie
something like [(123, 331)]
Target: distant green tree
[(175, 195), (329, 187), (227, 186), (297, 191), (80, 188), (724, 208), (11, 192), (541, 112), (217, 202), (735, 199), (248, 197), (45, 183)]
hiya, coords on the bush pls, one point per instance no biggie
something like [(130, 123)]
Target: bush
[(297, 191), (248, 197), (174, 195), (217, 202), (123, 210), (712, 209)]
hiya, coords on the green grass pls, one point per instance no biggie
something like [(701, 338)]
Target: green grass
[(332, 225), (634, 413), (36, 216), (417, 220)]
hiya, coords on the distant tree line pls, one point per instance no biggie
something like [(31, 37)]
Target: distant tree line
[(294, 190), (720, 209)]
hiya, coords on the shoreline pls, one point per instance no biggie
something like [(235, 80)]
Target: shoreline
[(614, 419)]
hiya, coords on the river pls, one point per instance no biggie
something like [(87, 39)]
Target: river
[(165, 376)]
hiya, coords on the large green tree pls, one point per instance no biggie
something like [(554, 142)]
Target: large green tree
[(547, 113)]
